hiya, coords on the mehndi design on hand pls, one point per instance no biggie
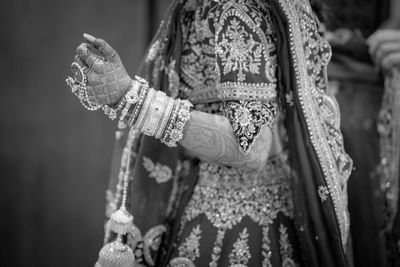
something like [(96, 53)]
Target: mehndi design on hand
[(106, 75)]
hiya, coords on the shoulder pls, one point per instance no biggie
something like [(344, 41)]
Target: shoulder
[(253, 14)]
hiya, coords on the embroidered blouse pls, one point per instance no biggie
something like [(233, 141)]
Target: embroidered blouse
[(229, 64)]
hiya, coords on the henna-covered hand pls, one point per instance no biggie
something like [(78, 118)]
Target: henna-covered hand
[(211, 138), (107, 78)]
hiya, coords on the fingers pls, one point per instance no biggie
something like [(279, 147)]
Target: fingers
[(385, 49), (382, 36), (105, 49), (390, 60), (80, 62), (86, 55)]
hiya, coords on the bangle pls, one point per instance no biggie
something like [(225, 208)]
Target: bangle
[(144, 109), (135, 113), (152, 112), (170, 121), (164, 118), (156, 110), (175, 133), (129, 99)]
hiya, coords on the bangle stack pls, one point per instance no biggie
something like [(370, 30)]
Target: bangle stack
[(152, 112), (181, 115)]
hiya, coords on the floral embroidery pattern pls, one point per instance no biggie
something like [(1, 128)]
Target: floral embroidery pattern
[(247, 119), (190, 249), (226, 195), (286, 249), (238, 51), (323, 192), (181, 262), (217, 247), (161, 173), (240, 254)]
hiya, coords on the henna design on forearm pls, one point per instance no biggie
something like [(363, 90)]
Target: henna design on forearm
[(211, 138)]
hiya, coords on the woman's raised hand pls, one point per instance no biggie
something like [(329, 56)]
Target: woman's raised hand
[(107, 79)]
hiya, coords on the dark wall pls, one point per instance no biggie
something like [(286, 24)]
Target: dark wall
[(55, 155)]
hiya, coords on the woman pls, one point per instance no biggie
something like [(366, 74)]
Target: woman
[(359, 87), (353, 73), (259, 177)]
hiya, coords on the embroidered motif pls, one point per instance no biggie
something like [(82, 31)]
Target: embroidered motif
[(112, 202), (181, 262), (286, 249), (153, 51), (217, 248), (266, 248), (162, 173), (134, 239), (323, 193), (145, 247), (190, 249), (240, 254), (151, 242), (199, 67), (226, 195), (238, 51), (247, 119)]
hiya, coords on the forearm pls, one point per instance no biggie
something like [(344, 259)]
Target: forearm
[(211, 138)]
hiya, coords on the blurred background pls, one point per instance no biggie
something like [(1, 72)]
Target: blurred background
[(55, 155)]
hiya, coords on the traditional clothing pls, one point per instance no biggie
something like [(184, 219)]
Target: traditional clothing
[(232, 58)]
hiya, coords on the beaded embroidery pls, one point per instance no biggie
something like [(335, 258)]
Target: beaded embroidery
[(325, 136), (162, 173), (240, 254), (205, 54), (286, 249), (227, 195), (323, 193), (190, 249), (247, 119)]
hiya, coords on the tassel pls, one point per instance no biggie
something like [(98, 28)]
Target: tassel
[(116, 254), (121, 221)]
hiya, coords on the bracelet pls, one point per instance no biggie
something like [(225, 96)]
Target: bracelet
[(175, 132), (156, 111), (110, 112), (143, 112), (128, 100), (170, 121), (136, 110), (152, 112), (164, 118)]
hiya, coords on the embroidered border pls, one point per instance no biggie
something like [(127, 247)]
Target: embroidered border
[(336, 182)]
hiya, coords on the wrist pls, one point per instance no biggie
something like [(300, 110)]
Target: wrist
[(154, 113)]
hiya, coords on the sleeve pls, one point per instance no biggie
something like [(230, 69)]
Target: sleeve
[(246, 68)]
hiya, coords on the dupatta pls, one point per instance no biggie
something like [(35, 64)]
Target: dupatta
[(318, 176)]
